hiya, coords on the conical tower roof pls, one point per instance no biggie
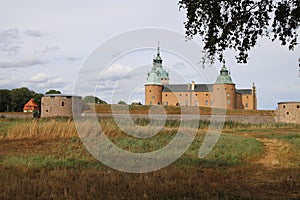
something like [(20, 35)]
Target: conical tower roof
[(224, 77)]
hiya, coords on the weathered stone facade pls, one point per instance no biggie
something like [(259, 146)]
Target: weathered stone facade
[(60, 105), (288, 112)]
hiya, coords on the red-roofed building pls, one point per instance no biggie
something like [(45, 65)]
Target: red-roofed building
[(31, 106)]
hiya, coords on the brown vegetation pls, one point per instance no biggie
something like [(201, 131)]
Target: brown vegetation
[(45, 159), (138, 109)]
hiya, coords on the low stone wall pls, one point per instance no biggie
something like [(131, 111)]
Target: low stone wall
[(20, 115)]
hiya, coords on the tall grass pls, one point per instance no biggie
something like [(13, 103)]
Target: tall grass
[(54, 128), (65, 127)]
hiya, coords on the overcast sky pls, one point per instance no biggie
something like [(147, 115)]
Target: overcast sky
[(43, 45)]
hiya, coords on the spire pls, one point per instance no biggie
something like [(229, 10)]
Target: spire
[(157, 61), (158, 50)]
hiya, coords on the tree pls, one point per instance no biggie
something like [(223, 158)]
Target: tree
[(37, 98), (53, 92), (93, 99), (237, 25), (122, 102), (4, 100), (19, 97)]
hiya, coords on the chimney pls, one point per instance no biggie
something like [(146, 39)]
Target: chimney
[(193, 85)]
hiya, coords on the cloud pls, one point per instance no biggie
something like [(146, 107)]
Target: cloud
[(39, 78), (50, 49), (45, 81), (33, 33), (116, 72), (10, 41), (21, 63)]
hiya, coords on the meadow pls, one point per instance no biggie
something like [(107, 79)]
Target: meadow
[(45, 159)]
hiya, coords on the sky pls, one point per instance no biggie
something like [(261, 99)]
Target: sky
[(46, 44)]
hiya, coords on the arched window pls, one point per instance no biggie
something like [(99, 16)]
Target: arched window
[(62, 103)]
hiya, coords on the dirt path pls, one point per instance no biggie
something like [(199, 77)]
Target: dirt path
[(274, 152)]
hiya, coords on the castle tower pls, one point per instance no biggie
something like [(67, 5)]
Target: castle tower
[(157, 77), (224, 94), (153, 89)]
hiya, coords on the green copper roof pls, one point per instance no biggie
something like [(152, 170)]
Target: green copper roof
[(153, 79), (157, 71), (224, 77)]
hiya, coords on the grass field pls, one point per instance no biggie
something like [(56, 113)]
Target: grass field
[(45, 159)]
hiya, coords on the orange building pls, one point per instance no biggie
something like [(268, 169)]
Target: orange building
[(221, 94), (31, 106)]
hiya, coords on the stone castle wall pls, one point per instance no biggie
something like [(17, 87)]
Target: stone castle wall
[(288, 112), (60, 106)]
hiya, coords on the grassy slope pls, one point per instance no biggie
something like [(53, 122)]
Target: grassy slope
[(36, 164)]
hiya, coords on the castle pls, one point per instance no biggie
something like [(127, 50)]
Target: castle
[(221, 94)]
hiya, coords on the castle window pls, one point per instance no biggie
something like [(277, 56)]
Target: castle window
[(150, 102), (179, 94), (297, 106), (150, 91), (167, 103), (228, 101), (196, 103), (246, 105), (158, 103), (186, 95), (196, 94), (206, 94), (47, 110), (166, 95), (206, 102), (228, 94), (186, 102), (225, 88), (283, 106), (287, 113), (62, 103), (247, 97)]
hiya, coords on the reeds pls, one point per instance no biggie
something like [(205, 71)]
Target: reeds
[(53, 128)]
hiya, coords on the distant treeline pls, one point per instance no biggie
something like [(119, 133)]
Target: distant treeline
[(15, 99)]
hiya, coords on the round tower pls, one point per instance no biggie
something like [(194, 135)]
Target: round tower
[(224, 94), (153, 90)]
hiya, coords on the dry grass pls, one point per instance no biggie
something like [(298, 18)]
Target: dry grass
[(136, 109), (42, 129), (45, 160)]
